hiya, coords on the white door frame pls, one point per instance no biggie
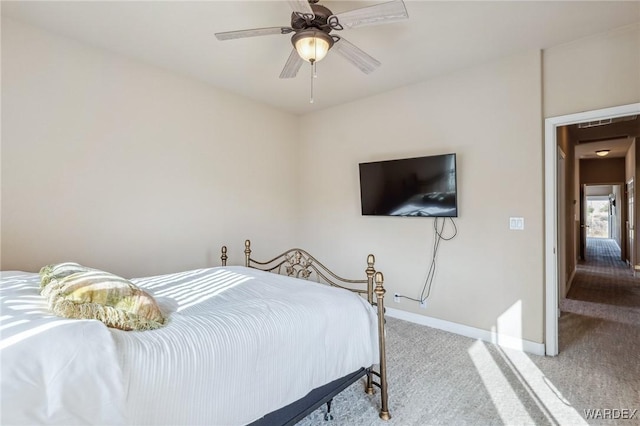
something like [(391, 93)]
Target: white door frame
[(562, 232), (551, 209)]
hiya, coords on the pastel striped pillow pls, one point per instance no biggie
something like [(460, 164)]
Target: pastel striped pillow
[(59, 270), (95, 294)]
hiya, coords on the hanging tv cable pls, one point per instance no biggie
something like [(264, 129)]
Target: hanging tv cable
[(438, 236)]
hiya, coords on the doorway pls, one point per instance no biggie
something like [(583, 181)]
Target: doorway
[(602, 217), (598, 218), (553, 226)]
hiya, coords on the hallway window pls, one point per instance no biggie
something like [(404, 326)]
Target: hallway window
[(597, 217)]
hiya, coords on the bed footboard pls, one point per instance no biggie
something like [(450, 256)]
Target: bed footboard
[(300, 264)]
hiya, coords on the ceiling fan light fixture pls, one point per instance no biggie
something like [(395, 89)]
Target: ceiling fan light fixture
[(312, 45), (602, 152)]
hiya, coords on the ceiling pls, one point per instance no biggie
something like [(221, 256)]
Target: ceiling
[(598, 192), (614, 135), (438, 38)]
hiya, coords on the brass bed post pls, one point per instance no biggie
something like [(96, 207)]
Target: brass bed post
[(223, 258), (247, 253), (370, 276), (380, 291)]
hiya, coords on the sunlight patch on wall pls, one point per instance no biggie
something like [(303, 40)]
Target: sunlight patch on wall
[(509, 328)]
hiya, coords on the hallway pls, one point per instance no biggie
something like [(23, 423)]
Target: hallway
[(603, 286)]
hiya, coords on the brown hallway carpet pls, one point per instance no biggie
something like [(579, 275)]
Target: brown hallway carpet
[(604, 287)]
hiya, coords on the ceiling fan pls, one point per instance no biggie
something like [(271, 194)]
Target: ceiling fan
[(312, 24)]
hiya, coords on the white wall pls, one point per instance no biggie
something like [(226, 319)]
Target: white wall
[(128, 167), (490, 116), (618, 226), (124, 166), (592, 73)]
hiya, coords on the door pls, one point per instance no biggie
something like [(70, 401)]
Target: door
[(583, 222), (631, 258), (621, 206)]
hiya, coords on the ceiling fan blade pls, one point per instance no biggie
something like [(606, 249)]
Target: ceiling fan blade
[(372, 15), (254, 32), (356, 56), (292, 66), (301, 6)]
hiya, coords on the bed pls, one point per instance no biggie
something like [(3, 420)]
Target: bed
[(243, 345)]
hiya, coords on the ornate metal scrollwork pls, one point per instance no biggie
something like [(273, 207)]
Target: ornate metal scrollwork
[(298, 265)]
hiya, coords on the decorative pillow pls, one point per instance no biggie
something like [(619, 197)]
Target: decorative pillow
[(60, 270), (95, 294)]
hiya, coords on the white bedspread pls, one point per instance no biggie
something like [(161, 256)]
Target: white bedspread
[(54, 370), (240, 343)]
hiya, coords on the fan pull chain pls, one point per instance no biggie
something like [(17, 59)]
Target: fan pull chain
[(313, 67), (313, 75)]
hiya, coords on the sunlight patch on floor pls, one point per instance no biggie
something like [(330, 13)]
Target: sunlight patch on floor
[(541, 389), (504, 398)]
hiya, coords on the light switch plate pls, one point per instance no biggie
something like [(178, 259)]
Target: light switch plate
[(516, 223)]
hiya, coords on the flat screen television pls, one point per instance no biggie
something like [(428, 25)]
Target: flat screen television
[(421, 187)]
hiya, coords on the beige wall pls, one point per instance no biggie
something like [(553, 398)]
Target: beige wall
[(128, 167), (124, 166), (490, 117), (592, 73), (602, 171), (629, 162)]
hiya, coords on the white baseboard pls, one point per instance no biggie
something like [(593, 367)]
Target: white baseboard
[(465, 330)]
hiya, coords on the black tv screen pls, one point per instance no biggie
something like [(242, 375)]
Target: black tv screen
[(422, 187)]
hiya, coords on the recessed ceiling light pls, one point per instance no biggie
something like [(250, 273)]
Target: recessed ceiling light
[(602, 152)]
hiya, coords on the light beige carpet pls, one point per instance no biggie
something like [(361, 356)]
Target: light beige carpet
[(439, 378)]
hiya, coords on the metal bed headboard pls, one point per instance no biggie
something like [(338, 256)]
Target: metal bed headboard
[(299, 263)]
